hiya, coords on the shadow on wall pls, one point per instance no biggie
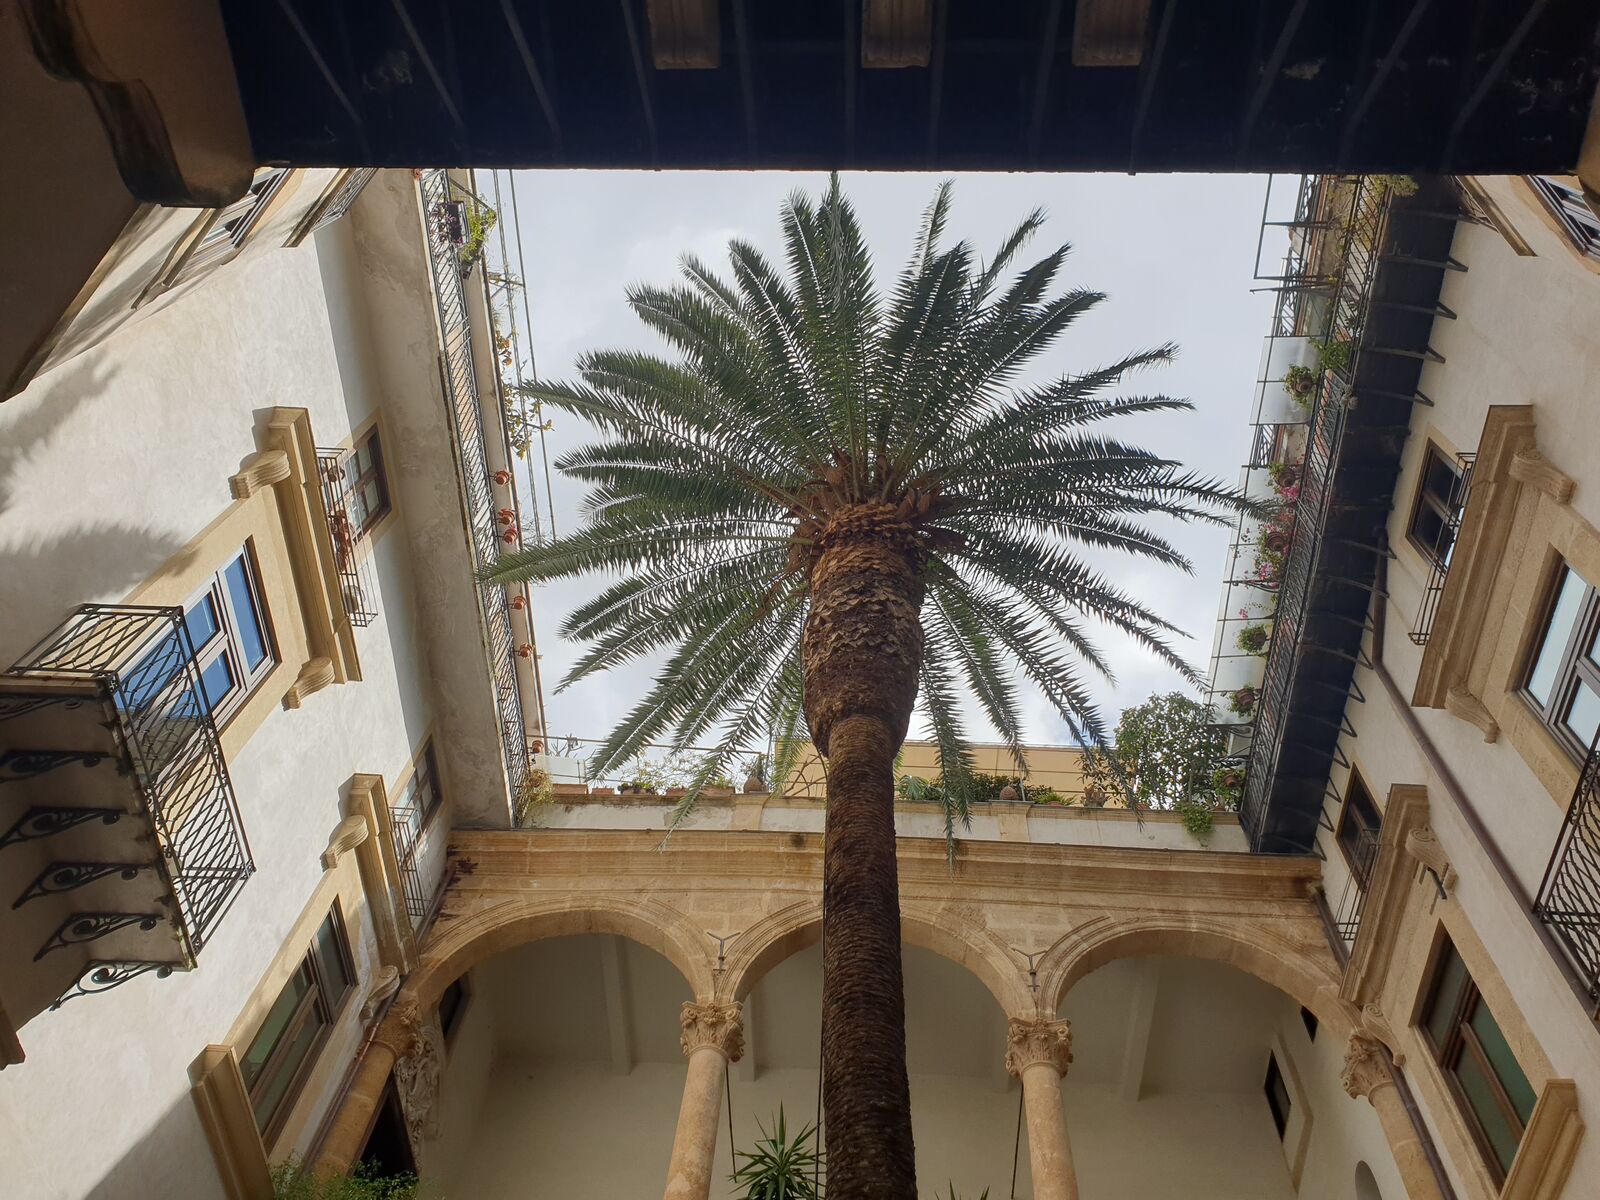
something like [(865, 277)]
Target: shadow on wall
[(46, 570), (173, 1158)]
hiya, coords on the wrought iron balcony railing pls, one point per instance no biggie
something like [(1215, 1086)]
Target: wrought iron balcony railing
[(1361, 852), (356, 586), (112, 763), (466, 412), (1422, 628), (1569, 895), (419, 849)]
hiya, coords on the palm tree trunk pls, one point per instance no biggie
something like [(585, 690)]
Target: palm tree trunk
[(862, 649)]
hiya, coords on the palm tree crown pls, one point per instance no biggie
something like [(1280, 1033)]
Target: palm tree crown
[(804, 396)]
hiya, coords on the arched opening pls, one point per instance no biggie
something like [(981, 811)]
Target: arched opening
[(1195, 1077), (562, 1066), (964, 1106), (1366, 1183)]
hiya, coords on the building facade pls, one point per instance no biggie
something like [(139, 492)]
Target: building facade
[(297, 881)]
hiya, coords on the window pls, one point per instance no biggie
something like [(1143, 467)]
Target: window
[(1570, 208), (1436, 515), (1563, 680), (1357, 834), (367, 486), (1277, 1093), (281, 1054), (335, 202), (230, 226), (231, 637), (1483, 1075), (452, 1003), (418, 800), (1309, 1020)]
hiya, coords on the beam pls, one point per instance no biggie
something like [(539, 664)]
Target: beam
[(936, 77), (1269, 74), (1148, 74), (1375, 84), (747, 94), (641, 77), (619, 1023), (1496, 69), (428, 65), (1041, 76), (541, 93), (1141, 1015)]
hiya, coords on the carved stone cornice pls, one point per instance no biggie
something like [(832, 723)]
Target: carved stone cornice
[(718, 1027), (1032, 1043), (314, 676), (1534, 469), (1375, 1024), (1459, 702), (349, 834), (1364, 1070), (258, 472), (1422, 845)]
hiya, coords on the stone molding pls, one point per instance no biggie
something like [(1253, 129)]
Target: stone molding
[(311, 549), (258, 472), (1422, 845), (1387, 891), (380, 874), (385, 983), (315, 675), (347, 835), (1375, 1025), (1036, 1043), (223, 1104), (418, 1043), (1475, 559), (718, 1027), (1530, 467), (1459, 702), (1549, 1145)]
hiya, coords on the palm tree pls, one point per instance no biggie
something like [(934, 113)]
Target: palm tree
[(835, 500)]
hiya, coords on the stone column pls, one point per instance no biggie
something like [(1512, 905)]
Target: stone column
[(713, 1036), (1367, 1074), (1038, 1053), (342, 1144)]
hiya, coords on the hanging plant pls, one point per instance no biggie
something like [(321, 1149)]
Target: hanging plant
[(1253, 639), (1244, 700), (1300, 382), (1227, 785)]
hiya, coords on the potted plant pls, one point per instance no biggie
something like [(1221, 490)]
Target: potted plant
[(1243, 701), (755, 773), (1300, 382), (1094, 796), (1253, 638), (780, 1167), (1227, 786)]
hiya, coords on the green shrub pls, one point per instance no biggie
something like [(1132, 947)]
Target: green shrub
[(294, 1181)]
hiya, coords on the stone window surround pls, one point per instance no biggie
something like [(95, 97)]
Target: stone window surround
[(1390, 971), (1518, 522)]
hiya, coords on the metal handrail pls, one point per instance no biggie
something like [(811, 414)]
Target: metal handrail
[(356, 587), (1428, 610), (1568, 900), (465, 405)]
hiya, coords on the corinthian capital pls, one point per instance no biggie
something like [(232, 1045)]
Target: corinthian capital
[(715, 1025), (1030, 1042), (1364, 1069)]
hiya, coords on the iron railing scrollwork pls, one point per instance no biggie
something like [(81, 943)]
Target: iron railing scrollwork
[(356, 587), (1428, 610), (466, 412), (1569, 895), (139, 666)]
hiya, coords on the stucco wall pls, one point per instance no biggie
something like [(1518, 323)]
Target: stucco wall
[(108, 466)]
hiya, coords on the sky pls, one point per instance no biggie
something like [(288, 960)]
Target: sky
[(1175, 254)]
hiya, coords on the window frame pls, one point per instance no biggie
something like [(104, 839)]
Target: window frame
[(425, 766), (1571, 210), (1280, 1120), (228, 639), (1447, 510), (198, 252), (316, 1003), (1574, 668), (1354, 786), (378, 474), (1462, 1039)]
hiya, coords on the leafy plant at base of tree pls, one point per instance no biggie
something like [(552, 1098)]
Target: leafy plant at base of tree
[(780, 1167), (293, 1181)]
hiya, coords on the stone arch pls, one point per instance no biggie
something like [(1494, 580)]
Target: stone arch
[(1307, 977), (459, 945), (781, 934)]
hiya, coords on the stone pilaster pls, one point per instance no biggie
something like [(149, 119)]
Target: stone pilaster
[(1368, 1075)]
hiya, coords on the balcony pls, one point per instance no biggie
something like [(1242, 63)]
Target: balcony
[(1569, 896), (1428, 610), (357, 589), (1358, 294), (122, 841), (485, 529)]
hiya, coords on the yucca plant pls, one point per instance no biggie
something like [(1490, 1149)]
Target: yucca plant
[(832, 500), (781, 1167)]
